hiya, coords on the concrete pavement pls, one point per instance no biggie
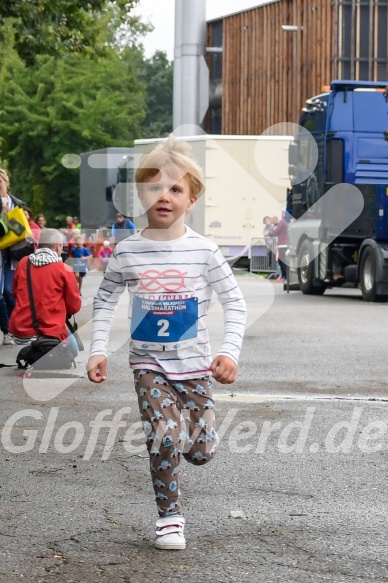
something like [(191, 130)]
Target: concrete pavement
[(301, 461)]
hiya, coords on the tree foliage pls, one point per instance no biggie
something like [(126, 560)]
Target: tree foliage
[(61, 102), (64, 107), (157, 75), (55, 27)]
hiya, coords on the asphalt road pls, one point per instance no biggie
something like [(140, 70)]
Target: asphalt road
[(296, 492)]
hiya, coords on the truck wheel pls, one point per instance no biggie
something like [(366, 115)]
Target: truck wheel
[(368, 277), (306, 272)]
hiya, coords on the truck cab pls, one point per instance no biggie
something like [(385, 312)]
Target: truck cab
[(342, 140)]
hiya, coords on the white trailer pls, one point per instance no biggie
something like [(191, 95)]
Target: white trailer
[(246, 178)]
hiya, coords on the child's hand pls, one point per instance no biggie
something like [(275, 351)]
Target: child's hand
[(96, 368), (224, 370)]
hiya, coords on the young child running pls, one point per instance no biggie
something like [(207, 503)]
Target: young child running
[(170, 272), (80, 258)]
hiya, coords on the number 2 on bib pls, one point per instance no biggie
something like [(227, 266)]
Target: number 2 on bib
[(164, 324)]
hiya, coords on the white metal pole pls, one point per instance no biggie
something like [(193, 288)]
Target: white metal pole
[(177, 93), (189, 50)]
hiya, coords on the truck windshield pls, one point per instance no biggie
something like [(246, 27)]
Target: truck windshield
[(370, 111)]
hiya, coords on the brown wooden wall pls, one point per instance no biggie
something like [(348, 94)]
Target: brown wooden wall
[(268, 73)]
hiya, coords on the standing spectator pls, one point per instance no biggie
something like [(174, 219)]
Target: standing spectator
[(120, 228), (55, 293), (281, 232), (33, 226), (70, 224), (67, 231), (105, 254), (266, 223), (274, 221), (267, 231), (7, 265), (40, 221), (81, 256), (3, 308)]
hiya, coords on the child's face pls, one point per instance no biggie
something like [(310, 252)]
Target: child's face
[(166, 201)]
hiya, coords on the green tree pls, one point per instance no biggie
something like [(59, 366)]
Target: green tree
[(68, 102), (55, 27), (157, 75), (61, 107)]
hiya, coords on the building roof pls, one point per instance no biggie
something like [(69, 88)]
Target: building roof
[(258, 4)]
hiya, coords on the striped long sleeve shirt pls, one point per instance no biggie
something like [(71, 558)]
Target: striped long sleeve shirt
[(170, 285)]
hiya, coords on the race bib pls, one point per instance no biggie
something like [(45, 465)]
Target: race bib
[(80, 265), (164, 324)]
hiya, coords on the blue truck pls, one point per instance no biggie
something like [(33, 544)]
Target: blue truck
[(348, 124)]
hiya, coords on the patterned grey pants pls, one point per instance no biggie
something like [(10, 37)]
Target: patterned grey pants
[(178, 419)]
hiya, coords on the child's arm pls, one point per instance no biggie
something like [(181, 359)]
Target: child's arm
[(223, 282), (104, 306)]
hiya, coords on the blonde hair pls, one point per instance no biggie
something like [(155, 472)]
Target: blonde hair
[(4, 175), (175, 158)]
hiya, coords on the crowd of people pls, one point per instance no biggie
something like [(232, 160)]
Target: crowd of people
[(72, 251), (76, 254)]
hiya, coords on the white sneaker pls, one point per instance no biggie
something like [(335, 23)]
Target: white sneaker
[(169, 533), (7, 340)]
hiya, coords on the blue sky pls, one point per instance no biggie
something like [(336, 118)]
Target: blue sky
[(161, 14)]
